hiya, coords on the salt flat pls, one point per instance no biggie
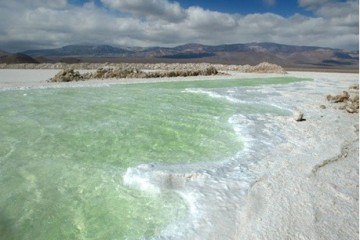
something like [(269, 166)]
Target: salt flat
[(313, 194), (306, 184)]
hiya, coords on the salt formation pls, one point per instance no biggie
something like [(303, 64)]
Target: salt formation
[(298, 116), (106, 73), (264, 67), (350, 100), (67, 75)]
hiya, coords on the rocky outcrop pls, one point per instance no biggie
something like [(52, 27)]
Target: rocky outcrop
[(349, 100), (343, 97), (67, 75), (184, 73), (105, 73), (264, 67)]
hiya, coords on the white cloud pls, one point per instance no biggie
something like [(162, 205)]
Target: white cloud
[(200, 20), (313, 4), (339, 10), (149, 8), (44, 25)]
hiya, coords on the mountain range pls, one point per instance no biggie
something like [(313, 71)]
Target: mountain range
[(248, 53)]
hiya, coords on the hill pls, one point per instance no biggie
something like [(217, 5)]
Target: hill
[(247, 53), (80, 51), (3, 53), (16, 58)]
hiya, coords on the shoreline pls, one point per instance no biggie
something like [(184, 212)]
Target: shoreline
[(14, 79), (320, 69), (306, 185)]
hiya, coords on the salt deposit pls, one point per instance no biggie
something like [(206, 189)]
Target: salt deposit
[(294, 181), (260, 68)]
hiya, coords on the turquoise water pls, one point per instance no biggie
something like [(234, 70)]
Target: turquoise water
[(63, 153)]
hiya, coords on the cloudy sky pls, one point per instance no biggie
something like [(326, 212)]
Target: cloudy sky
[(35, 24)]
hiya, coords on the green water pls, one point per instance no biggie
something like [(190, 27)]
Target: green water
[(63, 153)]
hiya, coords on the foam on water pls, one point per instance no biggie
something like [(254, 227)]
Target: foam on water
[(214, 95), (215, 190)]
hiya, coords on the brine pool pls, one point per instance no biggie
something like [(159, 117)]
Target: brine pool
[(64, 152)]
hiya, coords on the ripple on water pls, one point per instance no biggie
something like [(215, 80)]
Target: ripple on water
[(64, 153)]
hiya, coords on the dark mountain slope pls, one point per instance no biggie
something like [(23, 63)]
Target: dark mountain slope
[(17, 58), (243, 53)]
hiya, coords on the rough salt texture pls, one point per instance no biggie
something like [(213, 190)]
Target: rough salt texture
[(121, 71), (350, 101), (260, 68), (69, 75), (311, 189)]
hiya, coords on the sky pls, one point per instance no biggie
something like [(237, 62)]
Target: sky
[(39, 24)]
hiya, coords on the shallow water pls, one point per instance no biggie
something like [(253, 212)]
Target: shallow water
[(64, 152)]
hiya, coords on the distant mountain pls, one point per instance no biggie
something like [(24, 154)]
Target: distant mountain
[(42, 59), (3, 53), (254, 53), (80, 51), (247, 53), (16, 58)]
